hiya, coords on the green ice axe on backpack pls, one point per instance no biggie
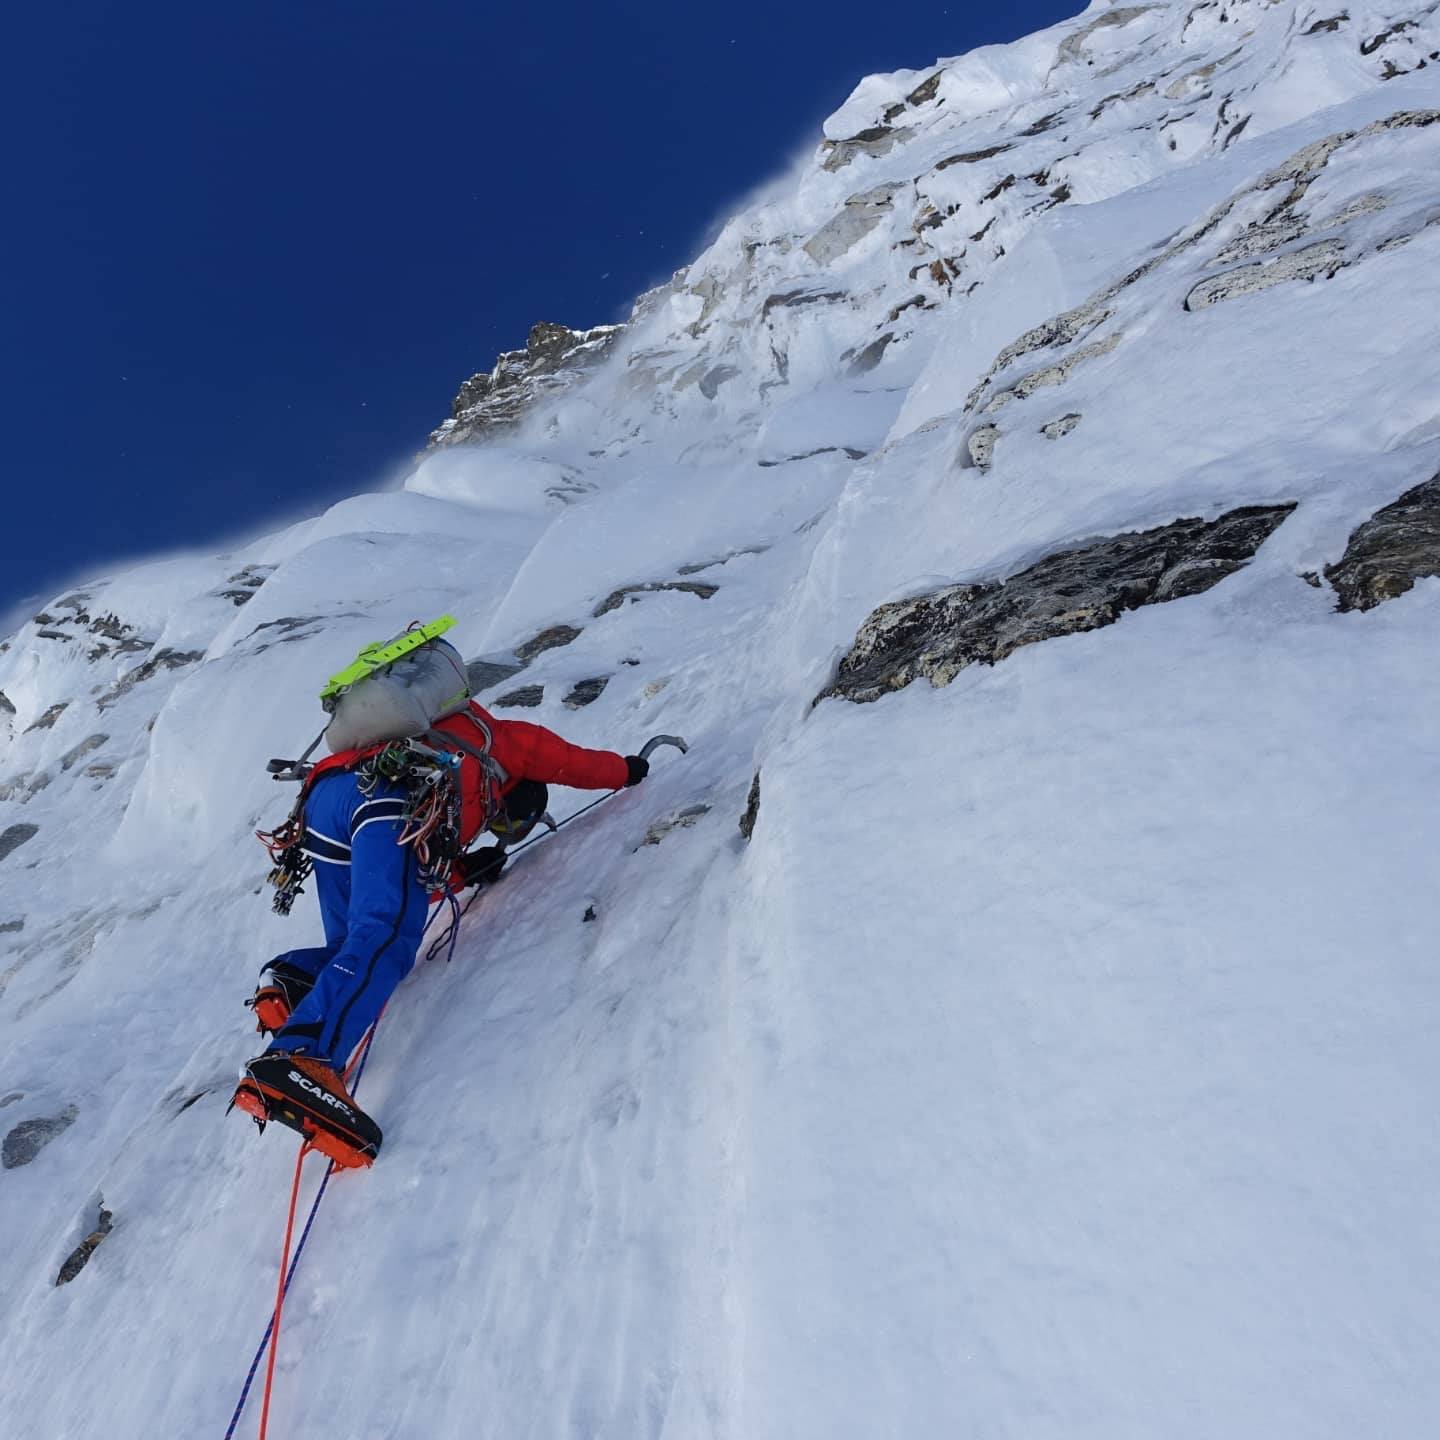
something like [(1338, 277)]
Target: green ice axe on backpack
[(380, 653)]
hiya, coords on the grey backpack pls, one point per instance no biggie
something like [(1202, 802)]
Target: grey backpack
[(396, 690)]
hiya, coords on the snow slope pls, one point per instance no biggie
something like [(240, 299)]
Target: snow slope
[(1055, 1059)]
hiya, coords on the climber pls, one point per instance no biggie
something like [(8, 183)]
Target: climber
[(358, 829)]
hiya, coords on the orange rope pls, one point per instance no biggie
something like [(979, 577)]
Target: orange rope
[(280, 1290)]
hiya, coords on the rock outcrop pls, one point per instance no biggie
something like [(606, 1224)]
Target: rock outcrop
[(1387, 554), (14, 836), (617, 598), (752, 809), (585, 692), (554, 358), (527, 697), (79, 1257), (937, 635), (30, 1137)]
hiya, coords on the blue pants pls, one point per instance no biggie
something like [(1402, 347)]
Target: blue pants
[(373, 907)]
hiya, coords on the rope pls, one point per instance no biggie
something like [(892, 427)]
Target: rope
[(273, 1325), (281, 1285), (451, 933), (448, 938), (609, 794)]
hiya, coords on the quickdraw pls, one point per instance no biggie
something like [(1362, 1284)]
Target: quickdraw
[(292, 865)]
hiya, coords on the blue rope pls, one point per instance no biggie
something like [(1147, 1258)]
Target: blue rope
[(299, 1250)]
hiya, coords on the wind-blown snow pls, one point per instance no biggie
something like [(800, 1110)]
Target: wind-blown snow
[(1057, 1058)]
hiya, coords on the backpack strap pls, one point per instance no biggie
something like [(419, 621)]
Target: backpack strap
[(488, 763)]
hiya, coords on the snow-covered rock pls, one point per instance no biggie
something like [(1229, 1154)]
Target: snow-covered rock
[(1051, 1053)]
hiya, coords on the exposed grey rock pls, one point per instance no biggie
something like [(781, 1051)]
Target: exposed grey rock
[(971, 157), (790, 299), (6, 708), (1063, 426), (842, 232), (79, 1257), (681, 820), (925, 91), (922, 94), (752, 808), (102, 635), (110, 626), (48, 719), (165, 659), (555, 357), (746, 550), (1145, 87), (549, 639), (1324, 257), (12, 927), (1262, 238), (100, 770), (525, 698), (482, 674), (244, 583), (87, 746), (1370, 46), (1393, 549), (981, 446), (1056, 374), (25, 785), (286, 624), (713, 379), (617, 598), (1072, 47), (848, 450), (1297, 174), (1235, 132), (14, 1095), (875, 141), (14, 836), (1084, 588), (915, 302), (870, 356), (290, 629), (253, 576), (585, 692), (30, 1137), (1062, 329)]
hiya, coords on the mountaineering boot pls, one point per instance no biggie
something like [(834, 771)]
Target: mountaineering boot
[(309, 1096), (282, 987)]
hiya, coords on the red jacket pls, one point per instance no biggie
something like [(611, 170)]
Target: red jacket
[(525, 752)]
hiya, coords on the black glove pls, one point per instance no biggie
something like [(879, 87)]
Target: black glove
[(639, 768), (482, 867)]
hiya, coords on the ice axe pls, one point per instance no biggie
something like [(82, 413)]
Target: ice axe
[(645, 752)]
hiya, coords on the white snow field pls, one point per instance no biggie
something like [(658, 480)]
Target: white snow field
[(1059, 1057)]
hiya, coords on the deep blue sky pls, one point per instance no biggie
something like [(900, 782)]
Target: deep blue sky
[(252, 249)]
